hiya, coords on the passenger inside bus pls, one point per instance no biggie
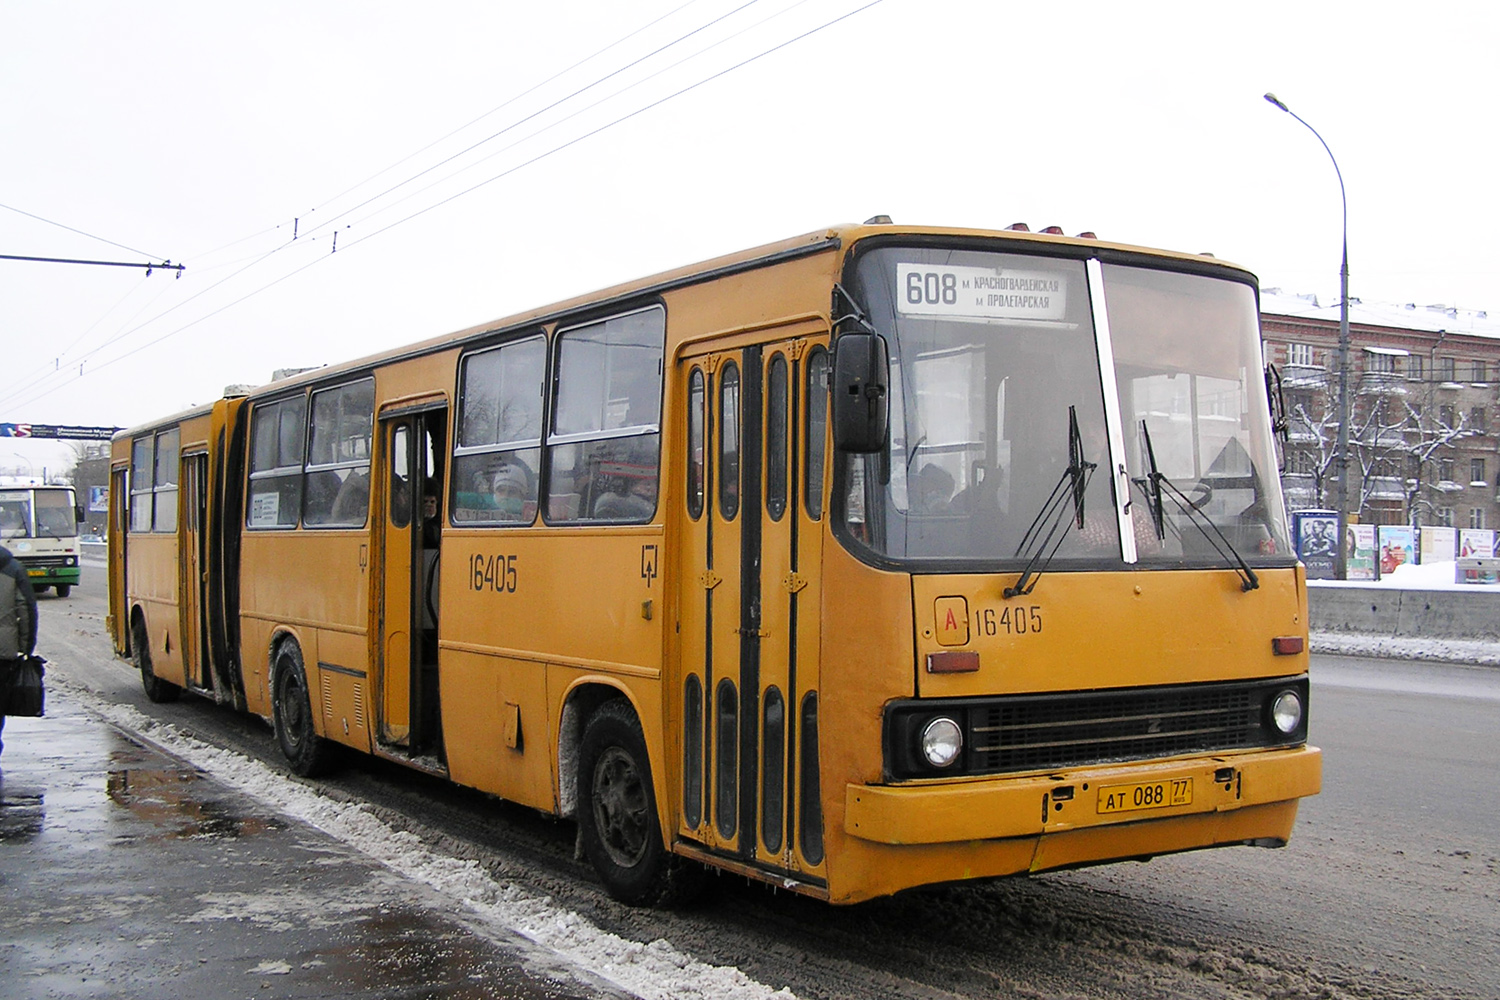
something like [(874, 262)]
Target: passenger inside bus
[(931, 490), (632, 499), (514, 493), (353, 499)]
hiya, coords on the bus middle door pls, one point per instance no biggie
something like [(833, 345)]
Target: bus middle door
[(746, 664)]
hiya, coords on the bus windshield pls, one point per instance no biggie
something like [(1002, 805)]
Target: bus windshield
[(54, 514), (1188, 369), (994, 360)]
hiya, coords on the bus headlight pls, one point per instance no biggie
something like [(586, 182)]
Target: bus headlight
[(1286, 712), (942, 740)]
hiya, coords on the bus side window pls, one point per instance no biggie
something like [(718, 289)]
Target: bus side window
[(604, 444), (337, 489), (164, 481), (817, 430), (277, 431), (142, 466), (497, 451)]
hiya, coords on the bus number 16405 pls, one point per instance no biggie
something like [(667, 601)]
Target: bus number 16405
[(496, 574)]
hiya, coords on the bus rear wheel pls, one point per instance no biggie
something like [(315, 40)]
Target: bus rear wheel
[(157, 690), (617, 814), (307, 752)]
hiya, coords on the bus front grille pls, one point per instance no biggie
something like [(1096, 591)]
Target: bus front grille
[(1011, 734)]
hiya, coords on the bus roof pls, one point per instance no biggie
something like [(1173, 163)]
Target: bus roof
[(827, 240)]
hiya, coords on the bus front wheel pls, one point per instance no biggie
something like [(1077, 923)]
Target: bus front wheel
[(307, 752), (64, 589), (158, 690), (617, 814)]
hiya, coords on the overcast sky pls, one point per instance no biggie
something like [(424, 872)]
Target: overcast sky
[(198, 132)]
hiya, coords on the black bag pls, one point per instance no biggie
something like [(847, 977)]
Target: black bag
[(22, 692)]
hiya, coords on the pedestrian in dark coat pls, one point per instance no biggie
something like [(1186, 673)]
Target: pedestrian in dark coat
[(17, 620)]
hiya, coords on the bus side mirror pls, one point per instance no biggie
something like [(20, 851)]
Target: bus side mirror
[(861, 393), (79, 514), (1276, 397)]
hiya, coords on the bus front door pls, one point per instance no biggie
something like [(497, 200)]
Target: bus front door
[(192, 584), (407, 543), (119, 599), (397, 550), (748, 677)]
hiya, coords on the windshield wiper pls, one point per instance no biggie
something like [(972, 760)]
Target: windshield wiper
[(1153, 484), (1073, 483)]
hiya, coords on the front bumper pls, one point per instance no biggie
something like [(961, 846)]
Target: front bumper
[(1068, 800), (52, 576)]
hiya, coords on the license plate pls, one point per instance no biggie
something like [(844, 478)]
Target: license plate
[(1146, 795), (36, 572)]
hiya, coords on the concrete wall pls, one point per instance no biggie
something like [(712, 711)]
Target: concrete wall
[(1411, 614)]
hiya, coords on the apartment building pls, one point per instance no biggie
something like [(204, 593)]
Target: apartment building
[(1423, 384)]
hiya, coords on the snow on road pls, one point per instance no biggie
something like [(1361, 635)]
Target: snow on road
[(654, 971)]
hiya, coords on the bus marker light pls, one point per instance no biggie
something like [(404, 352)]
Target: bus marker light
[(953, 661), (1286, 645)]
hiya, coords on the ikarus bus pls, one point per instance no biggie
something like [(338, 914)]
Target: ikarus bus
[(880, 557)]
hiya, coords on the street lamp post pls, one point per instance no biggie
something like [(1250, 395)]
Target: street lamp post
[(31, 475), (1341, 564)]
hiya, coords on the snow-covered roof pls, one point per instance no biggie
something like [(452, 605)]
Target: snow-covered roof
[(1411, 316)]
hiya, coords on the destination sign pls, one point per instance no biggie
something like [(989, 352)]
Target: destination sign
[(983, 293)]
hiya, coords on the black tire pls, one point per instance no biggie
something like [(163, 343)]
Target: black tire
[(64, 589), (617, 814), (158, 690), (291, 714), (40, 588)]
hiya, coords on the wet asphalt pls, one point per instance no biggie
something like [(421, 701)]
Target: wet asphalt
[(126, 872)]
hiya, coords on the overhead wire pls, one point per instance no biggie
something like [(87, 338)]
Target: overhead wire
[(525, 93), (444, 138), (305, 239), (609, 125), (511, 170), (583, 110), (80, 232)]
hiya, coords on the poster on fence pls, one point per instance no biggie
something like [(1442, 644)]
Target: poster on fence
[(1476, 542), (1438, 545), (1397, 547), (1317, 545), (1360, 554)]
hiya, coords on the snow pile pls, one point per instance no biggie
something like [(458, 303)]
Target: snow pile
[(1471, 653), (1410, 576), (654, 971)]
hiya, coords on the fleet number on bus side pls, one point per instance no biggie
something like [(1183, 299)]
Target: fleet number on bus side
[(494, 573)]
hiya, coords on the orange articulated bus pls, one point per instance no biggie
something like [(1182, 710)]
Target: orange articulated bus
[(881, 557)]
